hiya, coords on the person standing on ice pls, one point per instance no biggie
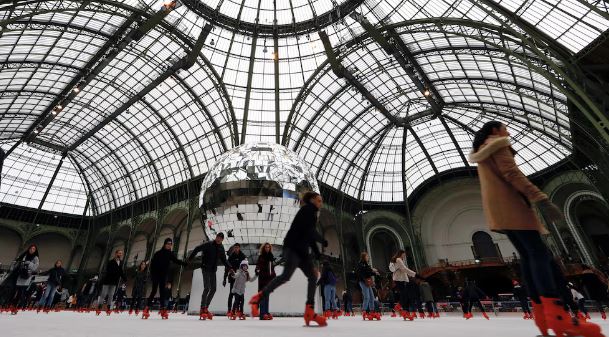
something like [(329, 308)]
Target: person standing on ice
[(300, 239), (365, 274), (507, 199), (235, 256), (211, 253), (400, 277), (265, 269), (472, 295), (521, 296), (139, 288), (114, 273), (240, 277), (159, 274)]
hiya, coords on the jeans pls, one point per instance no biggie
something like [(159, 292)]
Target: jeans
[(107, 291), (294, 261), (209, 288), (539, 270), (368, 297), (330, 296), (49, 294), (264, 306)]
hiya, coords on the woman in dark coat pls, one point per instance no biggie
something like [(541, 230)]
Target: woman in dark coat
[(56, 275), (139, 288), (265, 269), (364, 276), (471, 296)]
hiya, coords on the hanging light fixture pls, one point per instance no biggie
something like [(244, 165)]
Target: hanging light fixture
[(426, 92), (76, 90), (212, 42)]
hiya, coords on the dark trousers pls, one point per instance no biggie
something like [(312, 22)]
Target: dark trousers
[(524, 304), (431, 307), (581, 304), (136, 303), (404, 296), (238, 304), (539, 270), (264, 306), (209, 288), (468, 305), (231, 282), (20, 297), (160, 284), (292, 262)]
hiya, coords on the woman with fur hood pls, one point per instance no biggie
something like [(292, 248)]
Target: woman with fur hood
[(507, 200), (26, 266)]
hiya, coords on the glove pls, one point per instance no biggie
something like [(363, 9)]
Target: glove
[(549, 210), (325, 243)]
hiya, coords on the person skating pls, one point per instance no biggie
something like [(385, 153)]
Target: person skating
[(580, 300), (211, 253), (159, 275), (55, 279), (301, 237), (265, 269), (427, 298), (521, 295), (328, 281), (348, 302), (595, 289), (87, 293), (507, 197), (114, 273), (472, 295), (121, 294), (365, 274), (139, 288), (235, 256), (26, 266), (240, 278), (400, 277)]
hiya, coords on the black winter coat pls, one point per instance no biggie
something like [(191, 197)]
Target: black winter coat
[(114, 272), (56, 275), (211, 253), (139, 285), (302, 234), (234, 261), (594, 288), (363, 271), (159, 265), (520, 293)]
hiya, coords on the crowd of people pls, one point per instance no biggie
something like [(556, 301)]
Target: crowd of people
[(507, 198)]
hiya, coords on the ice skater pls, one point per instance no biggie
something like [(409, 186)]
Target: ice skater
[(25, 267), (211, 253), (139, 288), (235, 256), (400, 277), (521, 295), (159, 274), (507, 199), (265, 269), (240, 279), (365, 274), (471, 296), (300, 239), (56, 275), (114, 273)]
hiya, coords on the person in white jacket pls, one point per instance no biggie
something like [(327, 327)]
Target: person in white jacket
[(401, 274)]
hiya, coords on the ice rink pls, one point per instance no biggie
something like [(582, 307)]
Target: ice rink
[(88, 325)]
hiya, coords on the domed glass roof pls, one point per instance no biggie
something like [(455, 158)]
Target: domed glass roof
[(121, 100)]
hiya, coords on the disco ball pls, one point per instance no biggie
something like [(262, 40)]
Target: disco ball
[(251, 194)]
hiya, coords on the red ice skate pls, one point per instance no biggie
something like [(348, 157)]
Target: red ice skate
[(560, 321), (310, 315), (241, 316), (421, 315), (406, 315), (267, 317), (254, 302), (205, 314), (485, 315), (164, 314), (603, 315), (146, 313)]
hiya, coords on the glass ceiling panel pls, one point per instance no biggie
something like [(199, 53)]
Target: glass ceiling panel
[(178, 129)]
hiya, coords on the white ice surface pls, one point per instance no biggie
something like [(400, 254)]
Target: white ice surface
[(72, 324)]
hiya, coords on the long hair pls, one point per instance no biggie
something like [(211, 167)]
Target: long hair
[(27, 255), (362, 256), (261, 251), (482, 134), (397, 255)]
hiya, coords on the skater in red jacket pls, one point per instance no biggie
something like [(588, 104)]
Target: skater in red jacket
[(301, 237)]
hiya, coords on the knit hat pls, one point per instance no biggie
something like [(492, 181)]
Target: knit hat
[(244, 263), (168, 240)]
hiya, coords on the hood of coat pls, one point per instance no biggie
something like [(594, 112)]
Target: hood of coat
[(490, 146)]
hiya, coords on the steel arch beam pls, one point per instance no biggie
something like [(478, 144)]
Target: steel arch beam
[(369, 161), (107, 183), (87, 183)]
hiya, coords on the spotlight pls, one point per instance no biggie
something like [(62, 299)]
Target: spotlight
[(212, 42), (426, 92), (58, 107), (477, 260), (37, 130), (76, 90), (265, 49)]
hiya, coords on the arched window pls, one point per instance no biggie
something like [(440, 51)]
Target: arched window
[(484, 247)]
